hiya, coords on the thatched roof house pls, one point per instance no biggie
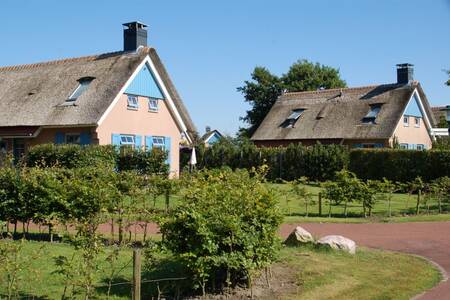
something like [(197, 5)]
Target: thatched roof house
[(124, 97), (370, 116)]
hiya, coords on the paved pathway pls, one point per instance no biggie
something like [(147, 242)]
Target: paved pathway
[(428, 239)]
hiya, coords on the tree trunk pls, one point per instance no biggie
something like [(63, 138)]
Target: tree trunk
[(419, 194)]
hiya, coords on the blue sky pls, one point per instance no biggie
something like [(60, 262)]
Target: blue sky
[(211, 47)]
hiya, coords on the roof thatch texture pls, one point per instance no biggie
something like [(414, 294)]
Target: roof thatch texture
[(36, 94), (338, 113)]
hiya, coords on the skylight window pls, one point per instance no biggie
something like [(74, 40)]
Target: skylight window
[(293, 117), (82, 87), (372, 114)]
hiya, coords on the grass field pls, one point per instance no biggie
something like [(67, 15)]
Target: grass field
[(320, 274), (403, 208)]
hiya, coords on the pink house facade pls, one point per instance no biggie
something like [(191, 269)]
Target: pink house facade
[(123, 98)]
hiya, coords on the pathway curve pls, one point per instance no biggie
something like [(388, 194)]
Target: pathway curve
[(428, 239)]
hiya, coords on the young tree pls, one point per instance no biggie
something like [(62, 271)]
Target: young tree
[(263, 90)]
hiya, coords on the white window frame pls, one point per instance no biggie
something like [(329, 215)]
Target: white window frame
[(416, 122), (420, 147), (159, 142), (153, 108), (406, 124), (404, 146), (125, 140), (132, 102), (72, 135), (81, 83)]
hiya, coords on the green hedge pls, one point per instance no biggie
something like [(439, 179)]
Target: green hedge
[(318, 162), (399, 165), (71, 156), (76, 156)]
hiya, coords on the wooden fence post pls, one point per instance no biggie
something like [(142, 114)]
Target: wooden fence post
[(320, 204), (136, 274)]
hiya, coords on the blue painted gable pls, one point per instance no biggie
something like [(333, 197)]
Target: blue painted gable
[(144, 84), (214, 138), (413, 108)]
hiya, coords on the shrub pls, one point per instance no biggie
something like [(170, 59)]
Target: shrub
[(144, 162), (71, 156), (318, 162), (399, 165), (225, 227)]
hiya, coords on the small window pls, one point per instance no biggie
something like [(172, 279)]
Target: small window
[(420, 147), (127, 140), (417, 122), (82, 87), (133, 102), (158, 142), (73, 138), (406, 121), (153, 104), (372, 114), (368, 146), (404, 146), (293, 117)]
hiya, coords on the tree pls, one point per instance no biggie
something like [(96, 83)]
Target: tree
[(264, 88), (261, 93), (448, 81)]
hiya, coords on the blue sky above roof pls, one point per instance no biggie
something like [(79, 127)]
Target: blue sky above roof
[(211, 47)]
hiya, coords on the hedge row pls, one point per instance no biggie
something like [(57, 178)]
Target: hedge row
[(76, 156), (318, 162), (400, 165), (321, 162)]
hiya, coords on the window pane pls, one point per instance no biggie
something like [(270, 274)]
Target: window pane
[(82, 87)]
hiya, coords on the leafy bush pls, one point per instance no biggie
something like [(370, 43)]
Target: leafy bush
[(225, 228), (318, 162), (71, 156), (144, 162), (399, 165)]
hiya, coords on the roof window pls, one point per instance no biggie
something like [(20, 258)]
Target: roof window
[(293, 117), (82, 87), (372, 114)]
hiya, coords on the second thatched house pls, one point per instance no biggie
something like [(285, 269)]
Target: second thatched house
[(363, 117)]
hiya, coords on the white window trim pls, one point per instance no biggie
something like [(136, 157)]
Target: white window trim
[(404, 146), (132, 107), (159, 145), (150, 109), (406, 124), (420, 147), (126, 143), (417, 124)]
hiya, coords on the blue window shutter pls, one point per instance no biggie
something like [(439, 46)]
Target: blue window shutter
[(59, 138), (85, 138), (167, 142), (115, 139), (138, 141), (378, 145), (148, 142)]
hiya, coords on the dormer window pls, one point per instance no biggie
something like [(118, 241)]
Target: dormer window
[(133, 102), (82, 87), (372, 114), (292, 118)]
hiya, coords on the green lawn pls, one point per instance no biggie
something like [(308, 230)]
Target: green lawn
[(320, 274), (402, 207), (370, 274)]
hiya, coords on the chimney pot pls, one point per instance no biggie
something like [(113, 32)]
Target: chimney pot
[(134, 35), (405, 73)]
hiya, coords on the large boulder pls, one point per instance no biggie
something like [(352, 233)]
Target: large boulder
[(338, 242), (299, 236)]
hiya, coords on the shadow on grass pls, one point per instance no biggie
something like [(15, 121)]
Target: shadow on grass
[(24, 296)]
